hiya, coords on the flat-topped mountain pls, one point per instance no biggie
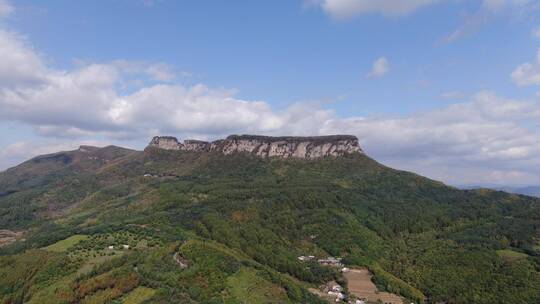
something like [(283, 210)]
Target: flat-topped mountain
[(267, 146), (107, 225)]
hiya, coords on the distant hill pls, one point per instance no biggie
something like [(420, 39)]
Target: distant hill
[(529, 190), (225, 222)]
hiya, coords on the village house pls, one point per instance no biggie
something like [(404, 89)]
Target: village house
[(306, 258), (331, 261), (338, 295), (337, 288)]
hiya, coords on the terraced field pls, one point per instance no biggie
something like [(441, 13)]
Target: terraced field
[(360, 284)]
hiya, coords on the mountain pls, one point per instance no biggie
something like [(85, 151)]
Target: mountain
[(226, 222), (527, 190)]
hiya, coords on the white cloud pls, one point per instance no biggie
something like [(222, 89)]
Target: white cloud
[(19, 63), (343, 9), (527, 73), (485, 139), (6, 8), (484, 135), (380, 67)]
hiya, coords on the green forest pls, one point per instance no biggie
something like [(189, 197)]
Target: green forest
[(162, 226)]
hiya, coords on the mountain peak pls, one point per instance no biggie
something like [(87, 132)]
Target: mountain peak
[(311, 147)]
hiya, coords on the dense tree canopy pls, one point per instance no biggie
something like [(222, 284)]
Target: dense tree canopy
[(239, 220)]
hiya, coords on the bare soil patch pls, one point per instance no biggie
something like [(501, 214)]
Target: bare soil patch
[(7, 236), (360, 284)]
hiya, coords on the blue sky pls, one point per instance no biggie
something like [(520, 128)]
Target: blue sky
[(448, 89)]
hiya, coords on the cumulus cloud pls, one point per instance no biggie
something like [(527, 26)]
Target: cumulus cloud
[(380, 67), (486, 134), (91, 100), (527, 73), (19, 63), (343, 9), (486, 138)]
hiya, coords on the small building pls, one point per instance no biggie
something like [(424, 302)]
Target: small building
[(331, 261), (306, 258), (338, 295), (125, 246), (337, 288), (111, 247)]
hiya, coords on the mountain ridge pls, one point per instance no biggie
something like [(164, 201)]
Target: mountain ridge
[(312, 147), (239, 218)]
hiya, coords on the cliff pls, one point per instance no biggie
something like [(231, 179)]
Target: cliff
[(267, 146)]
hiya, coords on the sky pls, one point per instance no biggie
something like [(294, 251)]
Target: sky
[(449, 89)]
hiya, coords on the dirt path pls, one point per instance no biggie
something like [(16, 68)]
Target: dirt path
[(360, 285), (7, 236), (180, 260)]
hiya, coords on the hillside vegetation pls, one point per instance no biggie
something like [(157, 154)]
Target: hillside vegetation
[(113, 225)]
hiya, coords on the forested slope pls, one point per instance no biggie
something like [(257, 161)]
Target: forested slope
[(240, 222)]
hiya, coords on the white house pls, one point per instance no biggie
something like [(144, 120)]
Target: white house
[(337, 288)]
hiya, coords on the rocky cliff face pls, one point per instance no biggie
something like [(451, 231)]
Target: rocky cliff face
[(266, 146)]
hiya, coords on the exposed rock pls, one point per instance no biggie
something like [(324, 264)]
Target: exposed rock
[(165, 142), (267, 146), (196, 145), (7, 237)]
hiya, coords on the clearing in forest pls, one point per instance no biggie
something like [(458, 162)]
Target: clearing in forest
[(360, 284), (65, 244)]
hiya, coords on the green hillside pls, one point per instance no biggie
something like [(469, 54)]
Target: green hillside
[(168, 226)]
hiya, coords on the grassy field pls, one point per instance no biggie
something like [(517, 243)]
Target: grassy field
[(139, 295), (511, 254), (65, 244), (247, 287), (89, 264)]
